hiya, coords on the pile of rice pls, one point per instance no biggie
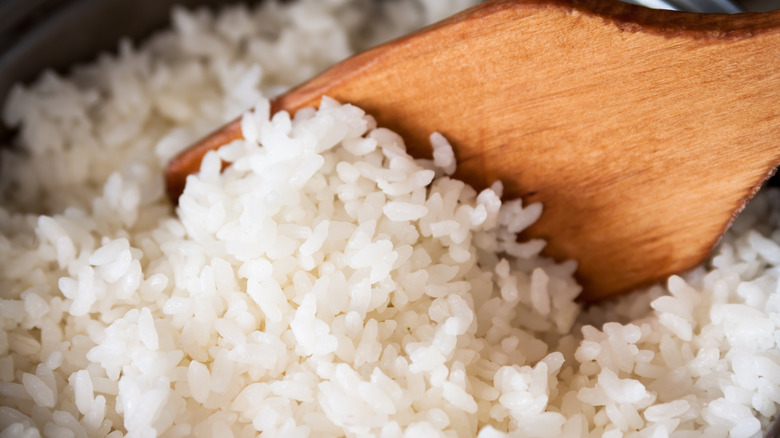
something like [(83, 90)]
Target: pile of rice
[(327, 284)]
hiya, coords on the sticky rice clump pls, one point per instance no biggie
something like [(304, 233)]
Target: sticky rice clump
[(327, 283)]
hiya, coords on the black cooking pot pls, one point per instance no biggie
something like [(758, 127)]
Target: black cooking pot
[(36, 35)]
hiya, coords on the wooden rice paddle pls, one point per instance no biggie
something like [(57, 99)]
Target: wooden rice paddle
[(643, 132)]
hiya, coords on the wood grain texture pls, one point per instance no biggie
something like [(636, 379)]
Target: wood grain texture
[(643, 132)]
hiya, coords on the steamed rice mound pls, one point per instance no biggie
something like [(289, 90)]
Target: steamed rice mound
[(327, 283)]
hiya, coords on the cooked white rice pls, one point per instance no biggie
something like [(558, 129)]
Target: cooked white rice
[(327, 284)]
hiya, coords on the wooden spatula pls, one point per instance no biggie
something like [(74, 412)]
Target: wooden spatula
[(643, 132)]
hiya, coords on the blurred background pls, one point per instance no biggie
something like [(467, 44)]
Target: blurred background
[(40, 34)]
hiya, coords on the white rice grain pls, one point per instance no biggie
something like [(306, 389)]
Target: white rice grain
[(404, 211), (199, 381), (40, 392), (327, 283)]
